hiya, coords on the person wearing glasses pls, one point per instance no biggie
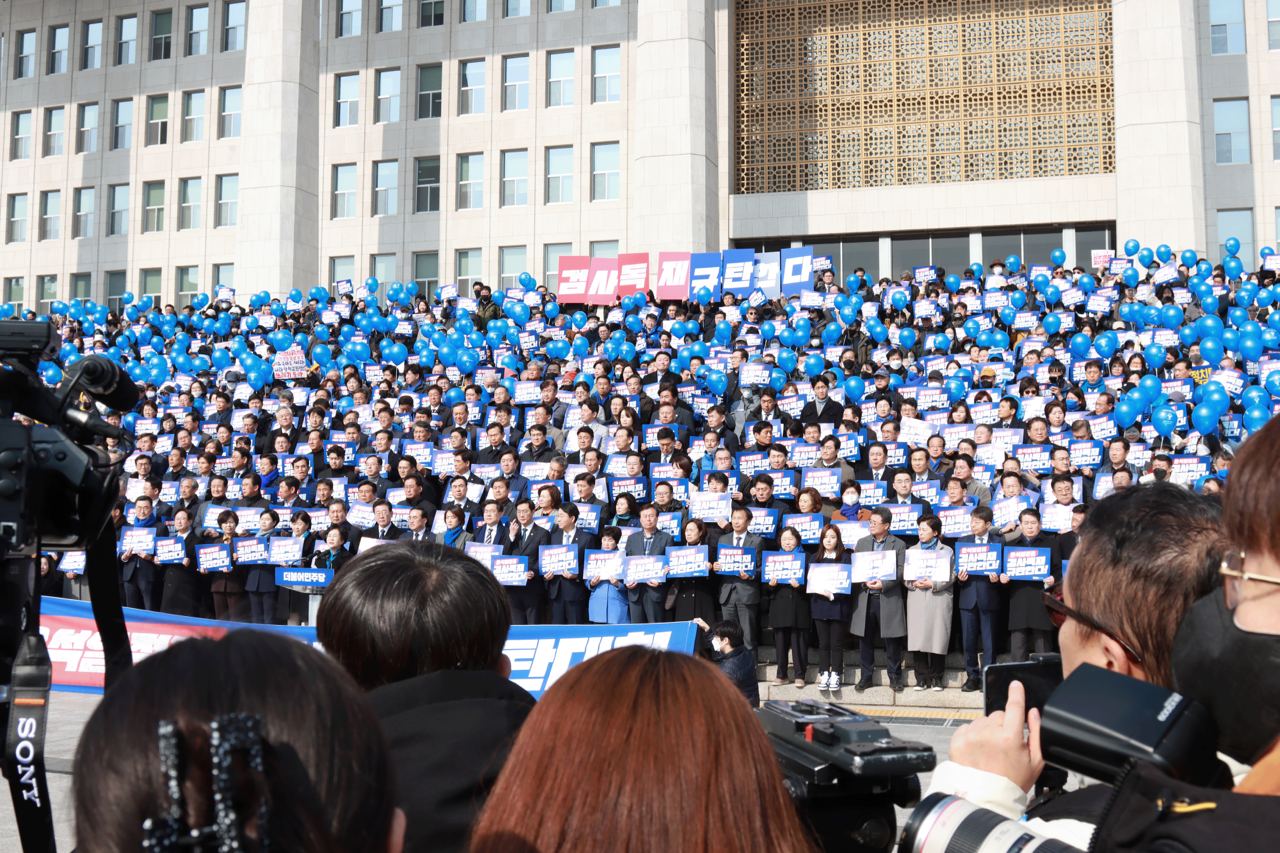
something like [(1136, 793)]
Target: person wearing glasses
[(1145, 555)]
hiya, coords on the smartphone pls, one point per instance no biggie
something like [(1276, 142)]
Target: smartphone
[(1040, 676)]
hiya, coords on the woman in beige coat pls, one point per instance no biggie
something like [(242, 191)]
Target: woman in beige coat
[(929, 610)]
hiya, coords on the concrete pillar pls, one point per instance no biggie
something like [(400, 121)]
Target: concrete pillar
[(676, 193), (278, 245), (1159, 148)]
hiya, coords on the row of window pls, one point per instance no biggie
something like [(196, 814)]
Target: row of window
[(1226, 26), (1231, 130), (606, 86), (349, 20), (186, 281), (84, 209), (514, 181), (53, 139), (197, 24)]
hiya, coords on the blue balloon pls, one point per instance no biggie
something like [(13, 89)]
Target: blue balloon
[(1105, 344), (906, 338), (1164, 420), (717, 382), (1131, 248), (1125, 413), (1057, 257), (814, 365), (1013, 263), (1256, 418), (1154, 355), (1204, 420), (787, 359), (1080, 345), (1145, 257), (1232, 245), (1232, 267), (856, 386), (1189, 258), (1052, 324)]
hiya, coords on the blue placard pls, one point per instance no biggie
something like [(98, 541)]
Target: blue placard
[(825, 480), (808, 525), (645, 569), (764, 522), (906, 519), (603, 565), (782, 566), (213, 558), (834, 578), (976, 559), (736, 561), (558, 560), (589, 517), (690, 561), (510, 570), (169, 550), (250, 550), (1086, 454), (1027, 564)]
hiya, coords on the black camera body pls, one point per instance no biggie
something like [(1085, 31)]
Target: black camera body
[(845, 772)]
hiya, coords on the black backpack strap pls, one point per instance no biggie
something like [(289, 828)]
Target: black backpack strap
[(1086, 804)]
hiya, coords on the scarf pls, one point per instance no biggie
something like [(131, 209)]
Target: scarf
[(850, 511), (451, 535)]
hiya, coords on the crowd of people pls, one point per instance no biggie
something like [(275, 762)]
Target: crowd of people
[(776, 449)]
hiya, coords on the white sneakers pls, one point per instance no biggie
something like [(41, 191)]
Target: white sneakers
[(824, 681), (834, 683)]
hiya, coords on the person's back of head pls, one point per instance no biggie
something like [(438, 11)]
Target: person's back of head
[(1145, 555), (410, 608), (695, 771), (324, 783)]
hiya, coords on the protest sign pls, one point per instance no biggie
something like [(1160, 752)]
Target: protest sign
[(1027, 564), (736, 561), (829, 579), (932, 566), (782, 567), (974, 559), (558, 560), (874, 566), (641, 569), (213, 558), (688, 562), (510, 570), (603, 565)]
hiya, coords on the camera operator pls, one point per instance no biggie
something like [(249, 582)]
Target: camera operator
[(1144, 556)]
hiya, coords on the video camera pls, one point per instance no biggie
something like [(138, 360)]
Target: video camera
[(845, 772), (1097, 723), (57, 488)]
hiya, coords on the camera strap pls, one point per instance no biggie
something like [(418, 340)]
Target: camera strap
[(24, 744)]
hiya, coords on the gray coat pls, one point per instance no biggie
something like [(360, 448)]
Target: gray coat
[(929, 613), (893, 610), (733, 589)]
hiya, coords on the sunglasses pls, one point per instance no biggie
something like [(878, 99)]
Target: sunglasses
[(1060, 612)]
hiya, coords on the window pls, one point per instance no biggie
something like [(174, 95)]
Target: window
[(152, 206), (81, 285), (348, 18), (193, 116), (342, 267), (468, 268), (515, 178), (1273, 24), (390, 16), (16, 229), (470, 181), (126, 40), (560, 78), (560, 174), (470, 87), (431, 13), (386, 107), (233, 23), (24, 55), (197, 30), (426, 271), (426, 184), (46, 291), (227, 195), (84, 201), (346, 100), (601, 4), (344, 192), (515, 82), (474, 10), (121, 124), (157, 119), (551, 254), (383, 267), (511, 262), (386, 179), (91, 45), (161, 35), (190, 192), (606, 174), (515, 9), (606, 74), (560, 5), (149, 282), (604, 248), (20, 138), (224, 275), (55, 131), (116, 286), (1275, 127), (1238, 224), (14, 290), (118, 214), (59, 45), (1231, 131), (229, 112), (429, 91), (1226, 26), (187, 280), (50, 215), (86, 128)]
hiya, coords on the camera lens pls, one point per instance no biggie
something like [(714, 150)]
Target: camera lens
[(945, 824)]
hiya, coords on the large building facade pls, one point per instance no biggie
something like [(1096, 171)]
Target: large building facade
[(168, 147)]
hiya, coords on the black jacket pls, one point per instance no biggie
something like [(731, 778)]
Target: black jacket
[(740, 667), (449, 734)]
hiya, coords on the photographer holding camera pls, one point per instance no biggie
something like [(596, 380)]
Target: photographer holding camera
[(1144, 556)]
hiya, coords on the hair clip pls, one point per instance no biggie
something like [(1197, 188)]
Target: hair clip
[(228, 734)]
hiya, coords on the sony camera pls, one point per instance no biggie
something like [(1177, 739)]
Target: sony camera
[(845, 772)]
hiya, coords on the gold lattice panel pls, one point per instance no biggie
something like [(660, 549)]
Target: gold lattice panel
[(873, 93)]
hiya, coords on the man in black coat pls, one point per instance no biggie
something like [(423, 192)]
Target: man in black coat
[(525, 540), (568, 595), (1029, 625), (822, 409)]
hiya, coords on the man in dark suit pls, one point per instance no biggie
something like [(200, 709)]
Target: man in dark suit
[(822, 410), (382, 528), (287, 493), (876, 467), (881, 608), (497, 446), (491, 531), (138, 571), (1007, 414), (979, 599), (740, 594), (1029, 623), (526, 538), (568, 595), (647, 603)]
